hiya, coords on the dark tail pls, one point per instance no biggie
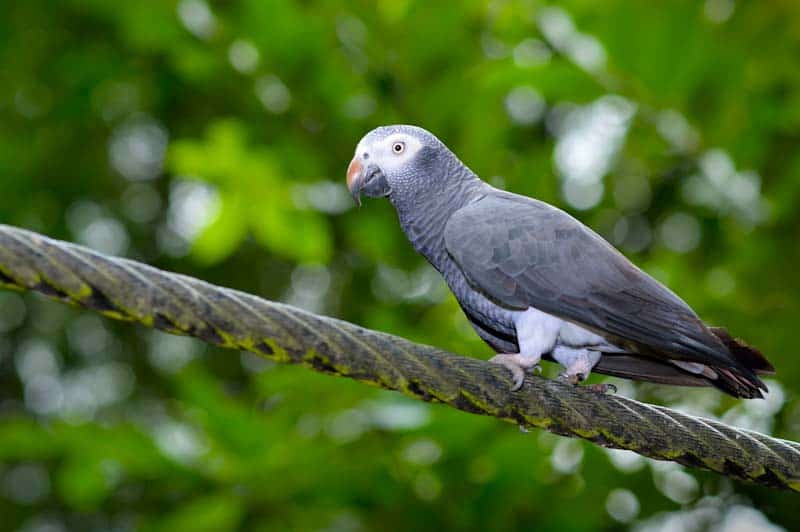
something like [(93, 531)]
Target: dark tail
[(748, 356), (742, 381)]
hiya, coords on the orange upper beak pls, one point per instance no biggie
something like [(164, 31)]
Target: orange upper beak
[(354, 173)]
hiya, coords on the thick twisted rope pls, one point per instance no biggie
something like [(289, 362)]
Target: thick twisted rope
[(127, 290)]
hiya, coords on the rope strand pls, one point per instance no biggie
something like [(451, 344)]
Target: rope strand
[(127, 290)]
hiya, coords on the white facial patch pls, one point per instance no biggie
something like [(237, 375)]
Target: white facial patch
[(385, 153)]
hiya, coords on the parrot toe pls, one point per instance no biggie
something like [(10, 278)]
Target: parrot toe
[(516, 364)]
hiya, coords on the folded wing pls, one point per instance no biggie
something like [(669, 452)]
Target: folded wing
[(523, 253)]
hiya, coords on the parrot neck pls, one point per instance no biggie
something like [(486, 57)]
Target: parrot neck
[(423, 216)]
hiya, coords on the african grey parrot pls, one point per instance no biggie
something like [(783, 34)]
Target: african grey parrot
[(536, 283)]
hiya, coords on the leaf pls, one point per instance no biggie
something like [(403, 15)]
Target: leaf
[(83, 483), (212, 513), (304, 236), (223, 235)]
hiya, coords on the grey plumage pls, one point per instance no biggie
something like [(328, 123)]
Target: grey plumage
[(502, 254)]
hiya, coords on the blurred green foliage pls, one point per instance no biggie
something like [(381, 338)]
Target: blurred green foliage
[(212, 139)]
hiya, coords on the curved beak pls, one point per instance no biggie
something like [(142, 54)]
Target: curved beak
[(368, 180)]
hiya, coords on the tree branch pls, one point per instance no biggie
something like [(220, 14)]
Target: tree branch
[(131, 291)]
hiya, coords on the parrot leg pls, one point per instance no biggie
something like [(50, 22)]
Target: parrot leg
[(516, 364), (536, 334)]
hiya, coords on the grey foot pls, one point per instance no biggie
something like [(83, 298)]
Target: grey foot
[(573, 378), (577, 362), (516, 364)]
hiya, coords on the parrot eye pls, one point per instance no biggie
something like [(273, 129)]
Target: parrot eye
[(398, 147)]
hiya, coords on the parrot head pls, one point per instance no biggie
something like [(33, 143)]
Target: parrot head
[(392, 160)]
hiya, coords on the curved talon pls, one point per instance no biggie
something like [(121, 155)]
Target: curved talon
[(518, 376), (579, 377), (602, 388), (574, 379)]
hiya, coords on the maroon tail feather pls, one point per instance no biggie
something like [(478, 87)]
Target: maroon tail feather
[(748, 356)]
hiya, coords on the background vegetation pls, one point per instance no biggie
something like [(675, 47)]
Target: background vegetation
[(212, 139)]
